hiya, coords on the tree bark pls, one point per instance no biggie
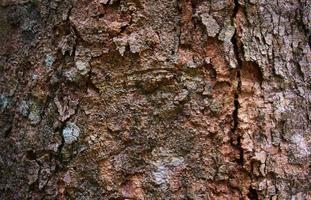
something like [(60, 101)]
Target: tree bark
[(155, 99)]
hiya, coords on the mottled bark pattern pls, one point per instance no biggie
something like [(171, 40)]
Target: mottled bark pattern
[(155, 99)]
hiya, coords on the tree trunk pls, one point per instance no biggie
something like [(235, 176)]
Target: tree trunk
[(155, 99)]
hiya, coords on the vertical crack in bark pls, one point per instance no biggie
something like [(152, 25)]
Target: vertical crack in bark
[(61, 146), (252, 193), (59, 155), (235, 137)]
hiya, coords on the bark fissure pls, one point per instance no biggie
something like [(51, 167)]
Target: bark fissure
[(236, 137)]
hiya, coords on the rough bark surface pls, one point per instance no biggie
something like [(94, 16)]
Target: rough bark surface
[(155, 99)]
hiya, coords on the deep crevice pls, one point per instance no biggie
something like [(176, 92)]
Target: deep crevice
[(235, 9), (235, 137), (59, 156), (252, 194), (8, 130)]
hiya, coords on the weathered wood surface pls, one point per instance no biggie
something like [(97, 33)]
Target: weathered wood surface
[(155, 99)]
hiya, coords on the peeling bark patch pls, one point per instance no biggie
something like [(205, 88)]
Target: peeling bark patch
[(252, 72), (211, 25), (132, 188)]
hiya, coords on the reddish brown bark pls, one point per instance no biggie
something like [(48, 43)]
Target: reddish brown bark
[(145, 99)]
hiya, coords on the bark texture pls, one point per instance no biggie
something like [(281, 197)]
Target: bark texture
[(155, 99)]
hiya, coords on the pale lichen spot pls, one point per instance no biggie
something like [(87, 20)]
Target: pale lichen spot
[(302, 147), (121, 44), (83, 67), (164, 167), (24, 108), (160, 175), (35, 111), (49, 60), (71, 133), (4, 102), (227, 32)]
